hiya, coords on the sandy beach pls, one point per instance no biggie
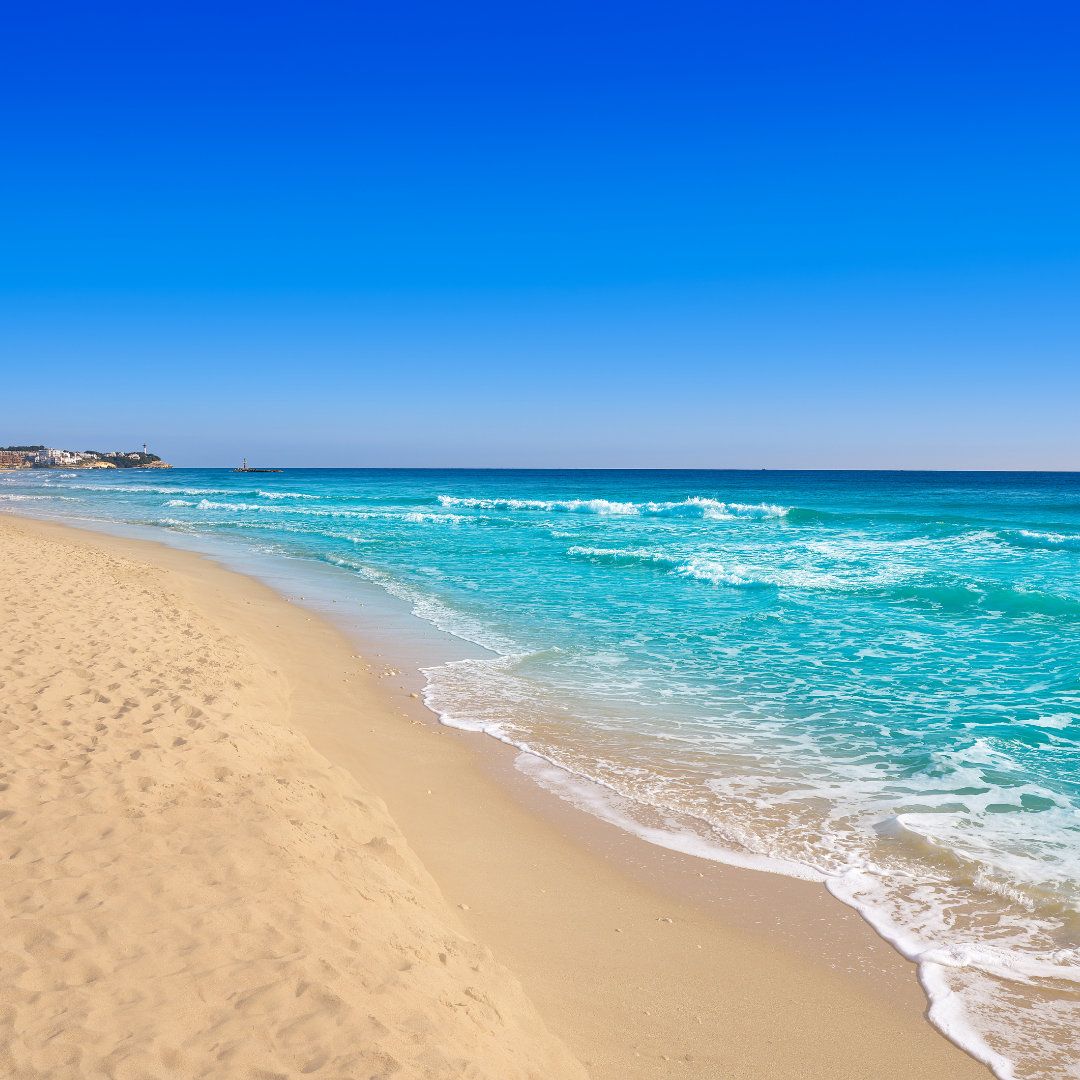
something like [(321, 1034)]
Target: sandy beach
[(234, 849)]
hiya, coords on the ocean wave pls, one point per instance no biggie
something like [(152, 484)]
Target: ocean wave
[(803, 515), (989, 597), (708, 509), (153, 489), (148, 489), (1045, 540), (359, 515), (702, 569), (740, 575), (239, 507)]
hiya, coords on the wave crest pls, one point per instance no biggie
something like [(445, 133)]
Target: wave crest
[(989, 597), (701, 569), (1045, 540), (695, 507)]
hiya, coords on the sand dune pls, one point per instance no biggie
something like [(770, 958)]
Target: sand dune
[(189, 889)]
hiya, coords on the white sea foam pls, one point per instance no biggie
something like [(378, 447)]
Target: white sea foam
[(854, 575), (1053, 541), (703, 569), (330, 513), (1055, 720), (857, 886), (155, 489), (600, 801), (907, 900), (150, 489), (696, 507)]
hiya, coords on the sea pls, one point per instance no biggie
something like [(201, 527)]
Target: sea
[(865, 679)]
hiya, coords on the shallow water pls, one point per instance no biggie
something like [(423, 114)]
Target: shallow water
[(869, 679)]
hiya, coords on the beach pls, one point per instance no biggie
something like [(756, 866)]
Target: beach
[(236, 848)]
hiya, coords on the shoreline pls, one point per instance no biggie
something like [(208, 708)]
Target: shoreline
[(748, 978)]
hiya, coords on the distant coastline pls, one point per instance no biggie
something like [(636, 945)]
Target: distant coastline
[(42, 457)]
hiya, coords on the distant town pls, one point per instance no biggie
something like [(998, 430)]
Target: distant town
[(44, 457)]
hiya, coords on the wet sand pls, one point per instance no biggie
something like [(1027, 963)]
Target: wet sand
[(753, 976)]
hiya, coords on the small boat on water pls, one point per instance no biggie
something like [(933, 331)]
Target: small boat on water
[(244, 468)]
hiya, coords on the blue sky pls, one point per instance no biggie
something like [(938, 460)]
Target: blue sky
[(672, 235)]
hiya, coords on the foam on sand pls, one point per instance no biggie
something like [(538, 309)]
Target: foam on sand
[(189, 888)]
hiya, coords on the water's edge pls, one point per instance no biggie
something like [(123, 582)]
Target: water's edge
[(411, 641), (864, 681)]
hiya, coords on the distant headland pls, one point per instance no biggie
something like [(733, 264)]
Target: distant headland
[(44, 457)]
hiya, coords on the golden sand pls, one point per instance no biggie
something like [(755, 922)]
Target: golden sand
[(190, 889)]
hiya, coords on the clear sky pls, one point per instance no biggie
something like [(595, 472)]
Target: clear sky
[(678, 234)]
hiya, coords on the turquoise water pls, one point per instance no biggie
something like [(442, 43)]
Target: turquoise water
[(867, 679)]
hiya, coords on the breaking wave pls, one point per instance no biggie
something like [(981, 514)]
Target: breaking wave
[(708, 509), (295, 511), (703, 569), (1045, 540), (149, 489)]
